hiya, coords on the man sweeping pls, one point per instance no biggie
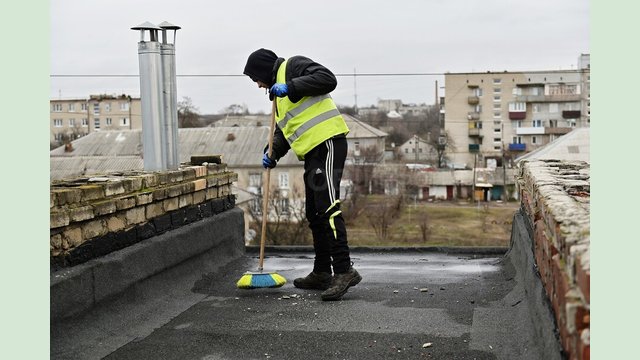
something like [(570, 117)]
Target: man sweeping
[(309, 123)]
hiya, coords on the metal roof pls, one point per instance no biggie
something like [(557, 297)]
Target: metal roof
[(359, 129), (119, 150)]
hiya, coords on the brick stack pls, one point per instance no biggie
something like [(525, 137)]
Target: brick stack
[(91, 217), (555, 199)]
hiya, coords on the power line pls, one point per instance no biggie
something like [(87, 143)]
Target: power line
[(236, 75)]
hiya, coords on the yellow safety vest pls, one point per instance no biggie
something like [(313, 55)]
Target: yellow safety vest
[(310, 121)]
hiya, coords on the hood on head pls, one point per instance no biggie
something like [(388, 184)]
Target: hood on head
[(260, 65)]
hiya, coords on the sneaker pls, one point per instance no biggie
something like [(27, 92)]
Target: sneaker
[(340, 284), (315, 280)]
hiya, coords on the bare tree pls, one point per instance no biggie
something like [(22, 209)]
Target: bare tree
[(235, 109), (443, 143), (354, 206), (188, 116), (383, 214), (423, 223), (286, 223)]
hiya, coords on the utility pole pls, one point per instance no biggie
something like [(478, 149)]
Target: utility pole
[(355, 92), (504, 167)]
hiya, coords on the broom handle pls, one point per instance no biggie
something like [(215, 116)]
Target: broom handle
[(265, 196)]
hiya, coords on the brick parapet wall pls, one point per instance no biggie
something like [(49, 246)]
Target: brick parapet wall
[(91, 217), (555, 199)]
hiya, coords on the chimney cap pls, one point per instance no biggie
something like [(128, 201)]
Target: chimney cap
[(168, 26), (146, 26)]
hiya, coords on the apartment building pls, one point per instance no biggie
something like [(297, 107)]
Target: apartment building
[(502, 115), (77, 117)]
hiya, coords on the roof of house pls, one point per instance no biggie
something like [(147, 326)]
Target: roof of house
[(121, 150), (571, 146), (107, 151), (360, 129)]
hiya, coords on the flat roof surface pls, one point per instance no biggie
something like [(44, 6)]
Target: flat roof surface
[(472, 308)]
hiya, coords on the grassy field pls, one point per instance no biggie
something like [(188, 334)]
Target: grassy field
[(434, 224)]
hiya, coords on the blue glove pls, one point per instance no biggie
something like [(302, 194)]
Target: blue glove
[(267, 162), (279, 90)]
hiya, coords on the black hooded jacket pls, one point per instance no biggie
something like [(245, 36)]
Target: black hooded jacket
[(304, 77)]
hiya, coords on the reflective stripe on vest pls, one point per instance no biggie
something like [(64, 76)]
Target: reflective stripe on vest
[(295, 120)]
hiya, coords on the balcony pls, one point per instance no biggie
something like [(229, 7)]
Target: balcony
[(473, 100), (475, 132), (530, 130), (517, 115), (474, 148), (571, 114), (517, 147), (547, 98), (472, 115)]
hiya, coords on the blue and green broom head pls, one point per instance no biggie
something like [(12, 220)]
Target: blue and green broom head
[(257, 280)]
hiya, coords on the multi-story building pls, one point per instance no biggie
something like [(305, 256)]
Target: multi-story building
[(73, 118), (501, 115)]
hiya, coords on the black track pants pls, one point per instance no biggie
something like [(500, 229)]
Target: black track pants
[(323, 167)]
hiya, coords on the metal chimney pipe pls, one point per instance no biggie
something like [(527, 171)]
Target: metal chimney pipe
[(151, 98), (169, 90)]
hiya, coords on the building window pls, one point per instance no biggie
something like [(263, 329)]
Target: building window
[(83, 106), (96, 108), (107, 107), (406, 151), (497, 147), (124, 122), (516, 91), (255, 180), (85, 122), (283, 203), (477, 92), (108, 121), (57, 122), (283, 180), (496, 106), (478, 108), (553, 108), (536, 123), (497, 140), (497, 81), (534, 139), (517, 139), (72, 122), (96, 123), (497, 98), (72, 107), (497, 114), (535, 108), (518, 106), (497, 130), (56, 107), (124, 106), (563, 89), (497, 90)]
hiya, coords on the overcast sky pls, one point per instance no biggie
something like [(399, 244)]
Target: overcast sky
[(402, 36)]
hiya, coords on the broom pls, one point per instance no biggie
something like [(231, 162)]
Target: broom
[(259, 279)]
